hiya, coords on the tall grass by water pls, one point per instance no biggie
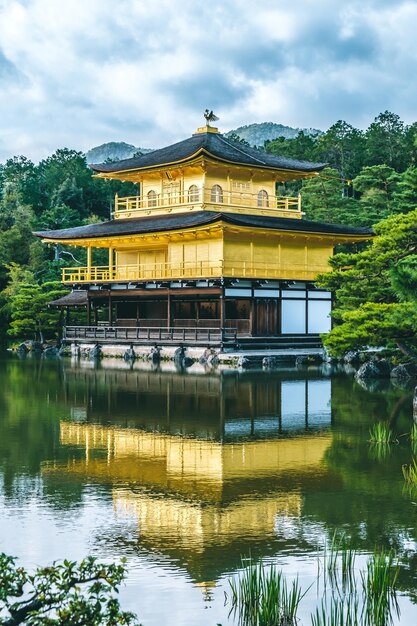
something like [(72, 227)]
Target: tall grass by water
[(379, 586), (410, 474), (339, 612), (381, 433), (261, 596), (413, 438), (339, 561), (350, 596)]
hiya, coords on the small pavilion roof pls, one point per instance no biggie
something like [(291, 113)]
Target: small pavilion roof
[(161, 223), (212, 144), (78, 297)]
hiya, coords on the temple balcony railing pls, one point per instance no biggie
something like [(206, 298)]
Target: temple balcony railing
[(175, 335), (189, 271), (206, 199)]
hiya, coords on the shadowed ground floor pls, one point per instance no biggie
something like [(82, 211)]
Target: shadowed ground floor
[(241, 313)]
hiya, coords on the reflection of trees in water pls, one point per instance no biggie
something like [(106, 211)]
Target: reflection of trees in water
[(371, 505), (355, 407), (32, 391)]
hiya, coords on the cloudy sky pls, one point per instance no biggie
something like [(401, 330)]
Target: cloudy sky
[(79, 73)]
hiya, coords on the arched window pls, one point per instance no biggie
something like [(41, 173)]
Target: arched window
[(263, 199), (193, 193), (152, 198), (216, 193)]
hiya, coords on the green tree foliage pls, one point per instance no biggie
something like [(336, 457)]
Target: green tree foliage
[(62, 593), (301, 147), (404, 279), (375, 185), (23, 175), (324, 199), (343, 147), (59, 216), (26, 305), (236, 138), (375, 301), (404, 196), (386, 142), (16, 221)]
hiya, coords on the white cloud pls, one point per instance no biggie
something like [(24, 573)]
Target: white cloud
[(82, 72)]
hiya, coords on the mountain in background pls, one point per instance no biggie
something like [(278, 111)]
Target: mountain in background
[(113, 151), (254, 134), (257, 134)]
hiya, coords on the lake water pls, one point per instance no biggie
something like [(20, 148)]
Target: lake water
[(186, 473)]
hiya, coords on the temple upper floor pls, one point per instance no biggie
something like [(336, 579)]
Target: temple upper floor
[(230, 196), (210, 172)]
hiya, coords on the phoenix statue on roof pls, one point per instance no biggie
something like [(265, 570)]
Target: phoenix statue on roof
[(210, 117)]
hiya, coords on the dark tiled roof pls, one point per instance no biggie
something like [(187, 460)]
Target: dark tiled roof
[(160, 223), (75, 298), (213, 144)]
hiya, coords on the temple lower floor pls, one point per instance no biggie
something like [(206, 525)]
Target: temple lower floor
[(242, 308)]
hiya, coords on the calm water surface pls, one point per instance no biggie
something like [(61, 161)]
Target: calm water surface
[(185, 473)]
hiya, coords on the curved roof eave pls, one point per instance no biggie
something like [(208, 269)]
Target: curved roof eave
[(203, 151), (164, 223), (214, 146)]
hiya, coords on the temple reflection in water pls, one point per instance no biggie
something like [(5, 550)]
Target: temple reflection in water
[(201, 462), (222, 407)]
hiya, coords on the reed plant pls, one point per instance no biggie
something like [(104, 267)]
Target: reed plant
[(339, 559), (338, 612), (348, 560), (413, 438), (410, 474), (261, 596), (379, 588), (331, 557), (381, 433)]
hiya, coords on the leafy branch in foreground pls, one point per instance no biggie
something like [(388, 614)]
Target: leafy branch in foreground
[(67, 593)]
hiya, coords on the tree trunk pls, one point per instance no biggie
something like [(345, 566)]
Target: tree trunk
[(406, 350)]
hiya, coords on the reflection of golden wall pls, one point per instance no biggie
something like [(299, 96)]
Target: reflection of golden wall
[(196, 458), (184, 523), (193, 496)]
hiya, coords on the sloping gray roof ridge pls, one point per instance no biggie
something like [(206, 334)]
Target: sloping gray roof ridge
[(239, 149), (268, 158), (302, 225), (214, 144), (180, 221), (76, 297), (196, 142)]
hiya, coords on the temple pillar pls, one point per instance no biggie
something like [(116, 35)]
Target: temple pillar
[(253, 317), (89, 260), (222, 318), (110, 311), (169, 315), (88, 311), (111, 263)]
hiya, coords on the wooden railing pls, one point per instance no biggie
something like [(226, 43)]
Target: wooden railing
[(171, 335), (134, 206), (191, 270)]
